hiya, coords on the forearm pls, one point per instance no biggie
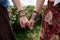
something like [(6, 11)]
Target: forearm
[(39, 5), (18, 5)]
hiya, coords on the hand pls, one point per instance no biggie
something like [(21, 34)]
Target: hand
[(32, 20), (23, 21), (31, 24)]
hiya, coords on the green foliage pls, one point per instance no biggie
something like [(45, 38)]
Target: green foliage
[(28, 10), (25, 33), (12, 14)]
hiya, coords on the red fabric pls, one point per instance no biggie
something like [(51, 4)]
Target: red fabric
[(51, 30)]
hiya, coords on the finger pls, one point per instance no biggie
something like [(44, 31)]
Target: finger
[(22, 24), (27, 24), (30, 23), (31, 26)]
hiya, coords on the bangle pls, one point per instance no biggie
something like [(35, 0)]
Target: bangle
[(35, 12), (21, 13), (34, 15)]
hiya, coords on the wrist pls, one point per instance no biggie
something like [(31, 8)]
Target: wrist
[(21, 13), (36, 12), (34, 15)]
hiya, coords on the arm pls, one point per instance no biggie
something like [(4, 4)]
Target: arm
[(18, 5), (22, 18), (39, 5), (37, 8)]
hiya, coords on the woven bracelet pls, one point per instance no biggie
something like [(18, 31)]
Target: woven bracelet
[(22, 14)]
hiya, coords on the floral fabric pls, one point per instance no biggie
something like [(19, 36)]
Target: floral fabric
[(50, 29)]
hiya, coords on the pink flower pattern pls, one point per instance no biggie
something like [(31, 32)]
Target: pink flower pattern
[(51, 32)]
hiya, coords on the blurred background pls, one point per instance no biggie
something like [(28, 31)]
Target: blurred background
[(25, 33), (28, 2)]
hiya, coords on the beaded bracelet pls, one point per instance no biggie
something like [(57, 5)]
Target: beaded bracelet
[(22, 14)]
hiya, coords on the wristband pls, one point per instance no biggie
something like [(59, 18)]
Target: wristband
[(21, 13), (34, 15), (35, 12)]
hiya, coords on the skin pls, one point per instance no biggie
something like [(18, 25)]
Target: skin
[(37, 8), (23, 20)]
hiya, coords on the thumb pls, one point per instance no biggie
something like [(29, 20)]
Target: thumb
[(31, 25), (22, 24)]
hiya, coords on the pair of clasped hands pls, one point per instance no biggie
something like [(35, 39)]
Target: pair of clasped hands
[(24, 22)]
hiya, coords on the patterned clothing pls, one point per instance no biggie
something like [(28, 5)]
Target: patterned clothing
[(50, 29)]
